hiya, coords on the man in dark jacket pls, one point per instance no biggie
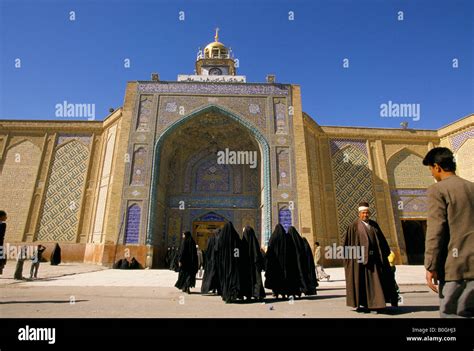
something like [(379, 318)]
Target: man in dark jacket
[(449, 247)]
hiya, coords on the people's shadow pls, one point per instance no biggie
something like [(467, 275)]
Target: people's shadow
[(394, 311), (309, 298), (41, 301)]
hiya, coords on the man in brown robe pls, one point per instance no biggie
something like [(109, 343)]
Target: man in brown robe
[(369, 281)]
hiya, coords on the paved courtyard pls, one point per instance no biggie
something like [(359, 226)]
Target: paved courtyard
[(80, 290)]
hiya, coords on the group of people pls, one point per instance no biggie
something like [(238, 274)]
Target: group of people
[(36, 258), (124, 263), (234, 264)]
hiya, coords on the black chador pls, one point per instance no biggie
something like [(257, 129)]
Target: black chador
[(56, 255), (210, 280), (307, 273), (228, 253), (174, 259), (251, 272), (168, 258), (188, 263), (282, 273)]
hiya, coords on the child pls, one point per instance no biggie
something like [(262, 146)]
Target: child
[(36, 261)]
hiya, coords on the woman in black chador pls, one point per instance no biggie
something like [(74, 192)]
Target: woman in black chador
[(174, 257), (307, 271), (282, 273), (56, 255), (251, 274), (210, 280), (188, 263), (228, 255)]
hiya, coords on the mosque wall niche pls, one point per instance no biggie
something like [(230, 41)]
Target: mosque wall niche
[(283, 166), (139, 166), (280, 122), (145, 112)]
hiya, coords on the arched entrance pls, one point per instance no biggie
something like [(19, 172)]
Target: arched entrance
[(206, 226), (210, 161)]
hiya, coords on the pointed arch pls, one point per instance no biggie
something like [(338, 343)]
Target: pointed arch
[(264, 151), (406, 170)]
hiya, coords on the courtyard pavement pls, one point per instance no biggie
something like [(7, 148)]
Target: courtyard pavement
[(81, 290)]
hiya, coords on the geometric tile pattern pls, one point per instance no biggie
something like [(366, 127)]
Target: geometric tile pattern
[(252, 179), (338, 144), (353, 180), (237, 178), (465, 160), (62, 138), (458, 139), (132, 229), (17, 180), (211, 177), (407, 204), (60, 214), (172, 108), (406, 170)]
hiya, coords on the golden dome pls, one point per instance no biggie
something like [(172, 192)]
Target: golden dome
[(216, 49), (216, 45)]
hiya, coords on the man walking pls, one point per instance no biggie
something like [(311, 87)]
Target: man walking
[(449, 247)]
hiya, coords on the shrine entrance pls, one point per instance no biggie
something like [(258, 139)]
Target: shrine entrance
[(202, 231)]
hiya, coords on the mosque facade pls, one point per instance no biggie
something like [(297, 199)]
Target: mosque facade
[(207, 148)]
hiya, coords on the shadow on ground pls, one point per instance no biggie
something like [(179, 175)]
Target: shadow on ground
[(40, 301)]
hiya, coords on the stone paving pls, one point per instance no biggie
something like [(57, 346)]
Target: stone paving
[(79, 290)]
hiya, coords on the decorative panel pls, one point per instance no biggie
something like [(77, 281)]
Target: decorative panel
[(353, 181), (132, 229), (281, 125), (284, 216), (138, 166), (145, 112), (104, 185), (283, 166), (406, 170), (62, 205), (17, 180), (465, 160)]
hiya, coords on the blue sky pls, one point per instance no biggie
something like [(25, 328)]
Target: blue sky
[(82, 61)]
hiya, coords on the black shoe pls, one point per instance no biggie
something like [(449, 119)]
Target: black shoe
[(362, 310)]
